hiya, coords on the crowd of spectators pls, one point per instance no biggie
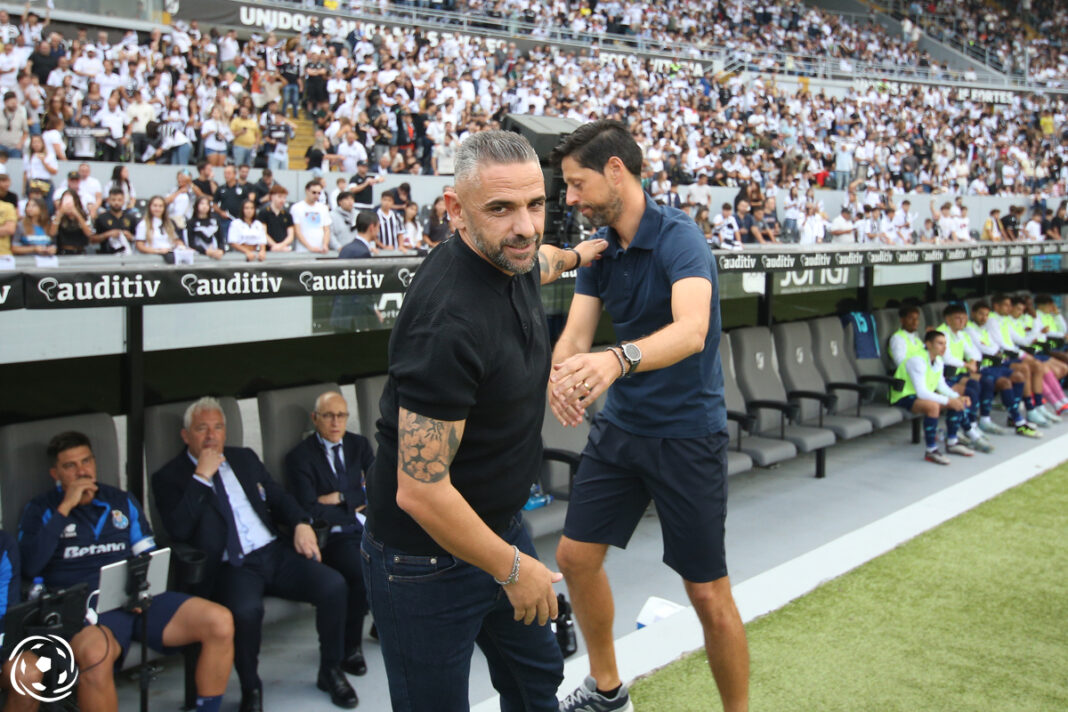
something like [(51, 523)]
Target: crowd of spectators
[(84, 216), (397, 102), (1027, 39)]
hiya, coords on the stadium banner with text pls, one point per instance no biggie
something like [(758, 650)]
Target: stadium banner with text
[(10, 290), (260, 17), (792, 260), (124, 286)]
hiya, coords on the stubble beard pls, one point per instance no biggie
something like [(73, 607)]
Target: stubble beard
[(495, 253), (606, 213)]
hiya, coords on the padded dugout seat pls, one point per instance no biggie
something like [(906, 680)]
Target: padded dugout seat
[(765, 396), (804, 382), (852, 389), (24, 465), (368, 397), (763, 452), (285, 420)]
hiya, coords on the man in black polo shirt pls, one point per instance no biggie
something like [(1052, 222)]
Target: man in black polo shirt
[(459, 446), (277, 220), (229, 196), (115, 226), (361, 185)]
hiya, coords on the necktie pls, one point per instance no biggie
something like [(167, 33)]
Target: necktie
[(233, 544), (339, 472)]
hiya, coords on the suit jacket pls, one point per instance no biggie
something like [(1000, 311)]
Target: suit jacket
[(310, 476), (192, 514)]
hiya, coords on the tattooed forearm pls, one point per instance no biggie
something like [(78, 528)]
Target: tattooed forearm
[(427, 446), (552, 262)]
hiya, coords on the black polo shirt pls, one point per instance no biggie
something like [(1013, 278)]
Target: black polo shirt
[(277, 225), (230, 198), (470, 343), (107, 220)]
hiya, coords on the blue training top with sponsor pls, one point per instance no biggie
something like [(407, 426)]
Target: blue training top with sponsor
[(9, 574), (684, 400), (69, 550)]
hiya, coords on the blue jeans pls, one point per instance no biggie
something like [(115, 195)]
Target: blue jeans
[(277, 164), (291, 97), (180, 154), (432, 610), (243, 156)]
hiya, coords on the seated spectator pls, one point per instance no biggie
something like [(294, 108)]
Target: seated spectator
[(73, 233), (203, 232), (343, 219), (992, 229), (277, 220), (311, 221), (156, 234), (90, 191), (40, 169), (842, 229), (437, 227), (6, 194), (363, 242), (413, 235), (33, 233), (115, 227), (207, 497), (180, 200), (726, 233), (760, 229), (248, 235), (64, 538), (326, 473)]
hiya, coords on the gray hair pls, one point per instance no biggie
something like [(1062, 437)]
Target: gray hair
[(490, 148), (203, 405), (324, 396)]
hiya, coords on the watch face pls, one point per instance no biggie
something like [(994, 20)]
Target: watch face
[(632, 352)]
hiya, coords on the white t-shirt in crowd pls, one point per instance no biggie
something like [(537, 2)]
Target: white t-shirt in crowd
[(241, 233), (312, 220), (156, 237)]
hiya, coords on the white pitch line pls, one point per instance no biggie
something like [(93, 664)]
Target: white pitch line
[(654, 646)]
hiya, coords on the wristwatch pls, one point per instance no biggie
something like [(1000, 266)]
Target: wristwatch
[(632, 354)]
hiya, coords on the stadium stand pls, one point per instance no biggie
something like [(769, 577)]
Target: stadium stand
[(771, 125)]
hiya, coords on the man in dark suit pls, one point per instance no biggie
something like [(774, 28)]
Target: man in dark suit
[(326, 474), (363, 241), (222, 500)]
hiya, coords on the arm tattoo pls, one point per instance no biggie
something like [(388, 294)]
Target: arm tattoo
[(427, 446), (543, 265)]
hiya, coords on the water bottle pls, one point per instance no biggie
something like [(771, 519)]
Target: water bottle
[(537, 498), (564, 627), (36, 590)]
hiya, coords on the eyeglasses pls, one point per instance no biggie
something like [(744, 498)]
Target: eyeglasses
[(334, 416)]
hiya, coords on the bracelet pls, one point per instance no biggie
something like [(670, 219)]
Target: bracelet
[(622, 362), (578, 257), (514, 576)]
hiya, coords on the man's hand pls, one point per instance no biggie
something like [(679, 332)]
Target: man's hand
[(306, 542), (590, 250), (532, 596), (578, 381), (332, 498), (208, 463), (972, 366), (79, 493), (957, 404)]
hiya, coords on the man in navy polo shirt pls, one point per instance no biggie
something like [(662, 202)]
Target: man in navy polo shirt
[(662, 433), (69, 532)]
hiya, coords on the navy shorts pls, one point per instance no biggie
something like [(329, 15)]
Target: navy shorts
[(906, 403), (687, 479), (996, 372), (126, 626)]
